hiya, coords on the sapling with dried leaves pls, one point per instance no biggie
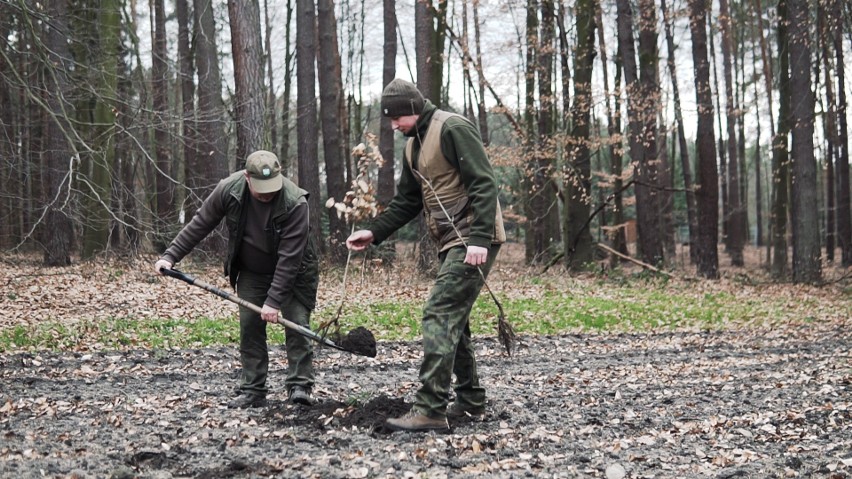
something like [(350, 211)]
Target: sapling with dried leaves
[(359, 204)]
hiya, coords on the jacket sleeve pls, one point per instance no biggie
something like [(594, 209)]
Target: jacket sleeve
[(463, 148), (293, 237), (205, 220), (406, 204)]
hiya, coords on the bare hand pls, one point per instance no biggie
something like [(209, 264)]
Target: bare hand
[(476, 255), (359, 240), (269, 314), (162, 264)]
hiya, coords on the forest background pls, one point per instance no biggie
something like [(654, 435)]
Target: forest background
[(650, 124)]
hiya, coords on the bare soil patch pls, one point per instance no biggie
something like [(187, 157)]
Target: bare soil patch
[(774, 403), (757, 402)]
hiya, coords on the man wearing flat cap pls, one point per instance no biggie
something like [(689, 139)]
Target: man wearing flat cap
[(446, 174), (271, 262)]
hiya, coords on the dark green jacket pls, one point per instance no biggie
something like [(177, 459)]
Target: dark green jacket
[(297, 269), (462, 146)]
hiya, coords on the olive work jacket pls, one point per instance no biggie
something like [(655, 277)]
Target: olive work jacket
[(297, 263)]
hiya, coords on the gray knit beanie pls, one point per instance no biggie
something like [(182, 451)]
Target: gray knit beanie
[(401, 98)]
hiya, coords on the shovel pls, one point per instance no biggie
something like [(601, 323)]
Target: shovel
[(236, 299)]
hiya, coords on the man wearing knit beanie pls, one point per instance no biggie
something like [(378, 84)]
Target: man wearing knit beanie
[(446, 174), (401, 98)]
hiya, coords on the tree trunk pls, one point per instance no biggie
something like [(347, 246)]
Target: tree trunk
[(544, 200), (578, 246), (642, 101), (806, 245), (844, 209), (648, 193), (212, 163), (707, 196), (191, 162), (757, 21), (830, 132), (720, 149), (329, 72), (614, 141), (56, 229), (780, 155), (482, 112), (165, 189), (683, 148), (96, 228), (735, 236), (286, 161), (306, 106), (248, 77), (271, 118), (386, 172), (429, 73), (533, 247)]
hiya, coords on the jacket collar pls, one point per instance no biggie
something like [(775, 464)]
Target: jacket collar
[(423, 121)]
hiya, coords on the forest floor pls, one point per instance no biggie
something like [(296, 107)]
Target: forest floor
[(755, 401)]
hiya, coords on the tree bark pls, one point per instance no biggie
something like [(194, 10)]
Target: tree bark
[(707, 196), (212, 163), (329, 72), (99, 203), (56, 230), (830, 132), (736, 236), (165, 189), (806, 245), (577, 185), (482, 112), (247, 54), (649, 194), (780, 154), (844, 209), (306, 106), (683, 148), (386, 172)]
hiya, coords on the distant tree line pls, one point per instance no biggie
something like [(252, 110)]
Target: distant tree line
[(108, 147)]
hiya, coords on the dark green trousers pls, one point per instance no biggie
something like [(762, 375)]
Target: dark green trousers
[(254, 355), (447, 345)]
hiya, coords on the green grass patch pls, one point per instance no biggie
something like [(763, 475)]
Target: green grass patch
[(636, 306)]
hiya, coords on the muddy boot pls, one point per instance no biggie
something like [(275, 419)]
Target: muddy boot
[(458, 410), (414, 421), (301, 395), (244, 401)]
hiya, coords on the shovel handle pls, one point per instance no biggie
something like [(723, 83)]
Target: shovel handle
[(187, 278)]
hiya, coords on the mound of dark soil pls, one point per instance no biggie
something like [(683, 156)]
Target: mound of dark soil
[(359, 341)]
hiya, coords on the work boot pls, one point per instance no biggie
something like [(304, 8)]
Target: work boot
[(247, 400), (301, 395), (414, 421), (458, 410)]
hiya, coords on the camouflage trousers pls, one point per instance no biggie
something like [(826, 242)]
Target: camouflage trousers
[(254, 354), (447, 345)]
